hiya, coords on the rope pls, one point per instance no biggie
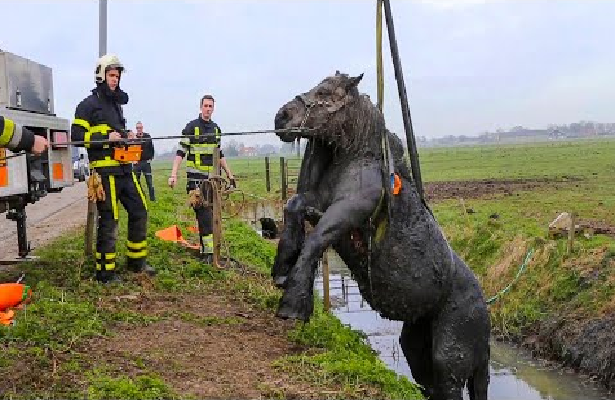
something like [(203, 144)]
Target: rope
[(528, 256)]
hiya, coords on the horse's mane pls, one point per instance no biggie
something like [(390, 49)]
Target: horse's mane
[(358, 134)]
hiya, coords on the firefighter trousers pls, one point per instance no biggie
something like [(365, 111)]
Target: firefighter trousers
[(204, 216), (145, 168), (126, 190)]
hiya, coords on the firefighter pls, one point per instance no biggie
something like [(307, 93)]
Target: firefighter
[(17, 138), (100, 123), (203, 136), (143, 165)]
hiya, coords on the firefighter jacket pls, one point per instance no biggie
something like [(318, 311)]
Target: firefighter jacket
[(14, 137), (95, 117), (203, 138)]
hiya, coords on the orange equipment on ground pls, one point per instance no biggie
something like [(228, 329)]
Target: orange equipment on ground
[(174, 234), (12, 295)]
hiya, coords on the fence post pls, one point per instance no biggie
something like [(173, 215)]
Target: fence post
[(571, 233), (217, 226), (90, 229), (325, 281), (283, 178), (267, 176)]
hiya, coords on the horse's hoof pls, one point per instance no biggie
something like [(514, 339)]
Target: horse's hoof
[(288, 313), (280, 281), (291, 309)]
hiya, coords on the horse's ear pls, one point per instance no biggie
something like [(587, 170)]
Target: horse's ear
[(354, 81)]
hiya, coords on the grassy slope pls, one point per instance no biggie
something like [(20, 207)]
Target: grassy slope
[(578, 284), (45, 354)]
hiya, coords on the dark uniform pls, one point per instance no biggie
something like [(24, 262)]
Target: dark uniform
[(144, 166), (95, 117), (15, 137), (199, 164)]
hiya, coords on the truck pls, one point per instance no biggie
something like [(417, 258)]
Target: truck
[(26, 97)]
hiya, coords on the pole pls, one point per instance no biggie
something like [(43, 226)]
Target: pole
[(102, 27), (90, 227), (403, 97), (325, 281), (267, 174), (283, 178), (217, 215)]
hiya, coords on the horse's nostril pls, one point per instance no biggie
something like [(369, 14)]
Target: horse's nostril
[(282, 117)]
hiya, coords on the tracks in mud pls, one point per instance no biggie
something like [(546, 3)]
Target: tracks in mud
[(489, 188)]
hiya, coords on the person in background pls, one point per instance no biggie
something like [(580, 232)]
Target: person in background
[(147, 155)]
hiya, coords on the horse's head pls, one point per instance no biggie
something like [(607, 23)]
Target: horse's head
[(323, 109)]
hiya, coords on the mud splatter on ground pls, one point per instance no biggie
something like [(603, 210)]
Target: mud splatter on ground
[(489, 188)]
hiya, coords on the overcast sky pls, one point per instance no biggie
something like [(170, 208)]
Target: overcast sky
[(470, 65)]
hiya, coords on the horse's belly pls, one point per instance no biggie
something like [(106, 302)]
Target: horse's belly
[(404, 291)]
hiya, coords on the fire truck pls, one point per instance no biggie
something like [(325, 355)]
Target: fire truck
[(26, 97)]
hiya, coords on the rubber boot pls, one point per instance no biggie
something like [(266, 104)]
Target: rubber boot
[(106, 277), (141, 266)]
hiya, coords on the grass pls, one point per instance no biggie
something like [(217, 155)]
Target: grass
[(556, 282), (47, 351), (345, 360)]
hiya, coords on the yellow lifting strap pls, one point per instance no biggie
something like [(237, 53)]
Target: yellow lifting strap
[(379, 65)]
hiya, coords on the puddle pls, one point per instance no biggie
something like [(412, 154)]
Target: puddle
[(514, 374), (251, 212)]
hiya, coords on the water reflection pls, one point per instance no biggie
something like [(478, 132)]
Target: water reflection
[(514, 374)]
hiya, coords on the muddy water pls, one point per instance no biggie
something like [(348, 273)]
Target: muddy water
[(514, 374)]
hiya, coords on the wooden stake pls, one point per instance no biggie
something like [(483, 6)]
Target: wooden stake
[(283, 178), (267, 175), (217, 214), (90, 229), (325, 281), (571, 233)]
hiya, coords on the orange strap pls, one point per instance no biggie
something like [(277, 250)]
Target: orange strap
[(397, 185)]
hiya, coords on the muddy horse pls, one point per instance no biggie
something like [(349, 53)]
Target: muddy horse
[(404, 266)]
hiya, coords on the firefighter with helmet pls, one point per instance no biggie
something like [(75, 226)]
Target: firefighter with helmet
[(99, 123)]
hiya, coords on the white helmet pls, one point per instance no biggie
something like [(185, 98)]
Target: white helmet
[(104, 64)]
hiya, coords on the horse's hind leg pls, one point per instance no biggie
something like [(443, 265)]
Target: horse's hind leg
[(416, 341), (291, 238), (456, 332)]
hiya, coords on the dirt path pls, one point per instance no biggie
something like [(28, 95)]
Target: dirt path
[(47, 219)]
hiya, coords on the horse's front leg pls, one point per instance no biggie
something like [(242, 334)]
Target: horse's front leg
[(298, 299), (292, 237)]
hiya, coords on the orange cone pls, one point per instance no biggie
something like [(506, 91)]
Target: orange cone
[(13, 294), (172, 234)]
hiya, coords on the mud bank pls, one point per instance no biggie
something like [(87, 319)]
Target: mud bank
[(490, 188), (587, 347)]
